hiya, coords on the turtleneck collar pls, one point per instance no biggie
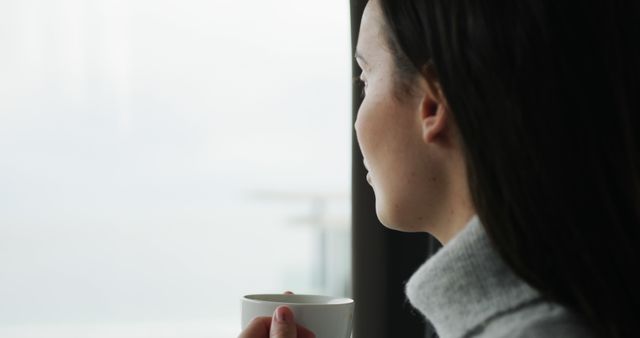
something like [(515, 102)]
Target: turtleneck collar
[(466, 283)]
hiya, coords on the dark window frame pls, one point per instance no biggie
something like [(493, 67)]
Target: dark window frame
[(383, 259)]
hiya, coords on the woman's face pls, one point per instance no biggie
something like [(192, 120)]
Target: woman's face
[(402, 167)]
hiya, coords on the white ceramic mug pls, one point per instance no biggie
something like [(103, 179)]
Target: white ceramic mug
[(326, 317)]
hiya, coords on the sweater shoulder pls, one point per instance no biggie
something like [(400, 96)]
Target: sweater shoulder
[(538, 320)]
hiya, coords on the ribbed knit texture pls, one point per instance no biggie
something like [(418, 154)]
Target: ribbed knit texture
[(466, 290)]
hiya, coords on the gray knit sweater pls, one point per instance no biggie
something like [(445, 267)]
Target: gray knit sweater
[(466, 290)]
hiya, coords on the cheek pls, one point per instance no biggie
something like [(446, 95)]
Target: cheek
[(368, 129), (389, 140)]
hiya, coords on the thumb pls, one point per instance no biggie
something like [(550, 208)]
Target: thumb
[(282, 324)]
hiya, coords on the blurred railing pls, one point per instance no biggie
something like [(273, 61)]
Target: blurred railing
[(332, 252)]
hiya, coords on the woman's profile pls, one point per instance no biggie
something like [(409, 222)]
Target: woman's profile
[(508, 130)]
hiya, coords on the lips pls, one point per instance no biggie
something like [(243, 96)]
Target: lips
[(368, 173)]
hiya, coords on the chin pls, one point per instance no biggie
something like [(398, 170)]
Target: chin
[(396, 222)]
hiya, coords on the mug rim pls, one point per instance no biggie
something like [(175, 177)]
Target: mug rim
[(337, 301)]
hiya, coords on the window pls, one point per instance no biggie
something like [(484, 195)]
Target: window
[(162, 158)]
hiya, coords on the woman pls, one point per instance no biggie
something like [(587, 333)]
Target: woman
[(509, 131)]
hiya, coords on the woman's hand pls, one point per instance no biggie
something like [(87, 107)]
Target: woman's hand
[(281, 325)]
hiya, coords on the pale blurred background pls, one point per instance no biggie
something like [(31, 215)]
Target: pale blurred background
[(159, 159)]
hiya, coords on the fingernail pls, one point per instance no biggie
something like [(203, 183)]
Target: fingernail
[(283, 315)]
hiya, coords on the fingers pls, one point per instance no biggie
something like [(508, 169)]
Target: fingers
[(282, 324), (257, 328), (302, 332)]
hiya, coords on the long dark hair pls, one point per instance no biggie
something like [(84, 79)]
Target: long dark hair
[(546, 96)]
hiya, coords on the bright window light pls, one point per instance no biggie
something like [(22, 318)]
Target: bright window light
[(160, 159)]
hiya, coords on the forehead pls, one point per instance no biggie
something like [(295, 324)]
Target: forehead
[(370, 36)]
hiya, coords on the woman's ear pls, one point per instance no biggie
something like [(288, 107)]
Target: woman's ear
[(434, 120), (434, 112)]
